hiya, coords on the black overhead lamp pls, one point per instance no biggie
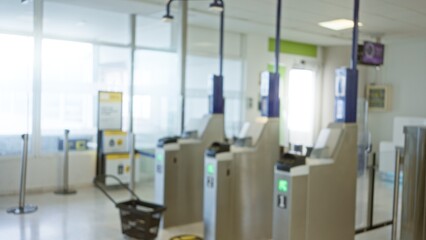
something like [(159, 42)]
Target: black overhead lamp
[(168, 17), (216, 6)]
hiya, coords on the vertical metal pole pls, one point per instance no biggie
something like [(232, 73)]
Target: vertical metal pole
[(132, 183), (99, 166), (66, 159), (132, 69), (396, 194), (24, 162), (64, 189), (36, 98), (221, 98), (168, 7), (366, 145), (22, 208), (133, 22), (182, 48), (221, 40), (278, 38), (372, 177), (354, 61)]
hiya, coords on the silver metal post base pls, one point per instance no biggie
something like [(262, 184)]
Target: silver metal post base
[(23, 210), (65, 191)]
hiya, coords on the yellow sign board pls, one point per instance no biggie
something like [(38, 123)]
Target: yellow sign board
[(110, 97), (110, 109)]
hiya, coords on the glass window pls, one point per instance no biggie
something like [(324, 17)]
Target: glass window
[(67, 86), (153, 33), (157, 103), (73, 73), (199, 71), (205, 41), (16, 17), (15, 91), (70, 21), (112, 73)]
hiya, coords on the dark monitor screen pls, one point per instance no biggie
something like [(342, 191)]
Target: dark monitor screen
[(372, 53)]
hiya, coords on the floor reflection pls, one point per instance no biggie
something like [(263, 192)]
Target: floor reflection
[(90, 215)]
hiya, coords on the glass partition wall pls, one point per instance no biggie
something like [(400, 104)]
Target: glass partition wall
[(86, 49), (16, 48)]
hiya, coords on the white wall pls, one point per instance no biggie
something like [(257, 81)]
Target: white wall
[(404, 68), (42, 172), (256, 61)]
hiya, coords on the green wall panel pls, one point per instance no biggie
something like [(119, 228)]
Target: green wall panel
[(296, 48)]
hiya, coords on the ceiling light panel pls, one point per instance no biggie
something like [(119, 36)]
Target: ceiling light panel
[(339, 24)]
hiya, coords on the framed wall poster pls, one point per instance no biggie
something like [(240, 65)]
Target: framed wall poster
[(110, 109), (379, 98)]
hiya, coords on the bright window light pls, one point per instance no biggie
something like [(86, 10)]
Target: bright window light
[(15, 85), (156, 104), (142, 107), (339, 24), (67, 87), (301, 106)]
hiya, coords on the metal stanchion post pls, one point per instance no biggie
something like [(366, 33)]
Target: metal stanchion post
[(64, 189), (398, 163), (370, 223), (370, 211), (23, 208), (132, 161)]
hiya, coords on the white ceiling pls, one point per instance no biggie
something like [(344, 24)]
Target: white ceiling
[(390, 19)]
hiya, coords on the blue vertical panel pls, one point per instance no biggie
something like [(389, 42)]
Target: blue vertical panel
[(269, 93), (216, 100), (346, 94)]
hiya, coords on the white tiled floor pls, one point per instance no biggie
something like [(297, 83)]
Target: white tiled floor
[(90, 215)]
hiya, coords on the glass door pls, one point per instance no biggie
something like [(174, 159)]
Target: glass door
[(301, 107)]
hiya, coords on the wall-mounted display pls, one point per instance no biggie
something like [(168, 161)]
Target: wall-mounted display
[(379, 97), (371, 53)]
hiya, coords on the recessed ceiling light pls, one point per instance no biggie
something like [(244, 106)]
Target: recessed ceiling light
[(339, 24)]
